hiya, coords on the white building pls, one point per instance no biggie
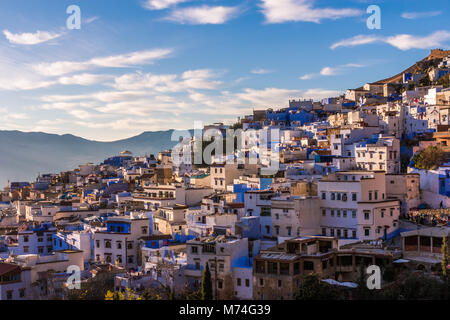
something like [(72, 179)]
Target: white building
[(354, 205), (119, 244), (382, 153)]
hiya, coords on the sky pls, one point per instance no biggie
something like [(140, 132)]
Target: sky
[(149, 65)]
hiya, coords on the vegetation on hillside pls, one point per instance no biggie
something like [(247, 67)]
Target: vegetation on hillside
[(429, 158)]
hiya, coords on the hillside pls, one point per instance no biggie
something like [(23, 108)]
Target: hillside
[(420, 66), (27, 154)]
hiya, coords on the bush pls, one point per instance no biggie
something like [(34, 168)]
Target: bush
[(429, 158)]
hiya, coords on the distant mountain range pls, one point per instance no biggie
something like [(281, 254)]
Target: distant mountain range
[(24, 155)]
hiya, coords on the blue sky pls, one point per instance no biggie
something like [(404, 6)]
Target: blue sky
[(144, 65)]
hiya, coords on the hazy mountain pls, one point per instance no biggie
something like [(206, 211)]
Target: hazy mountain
[(24, 155)]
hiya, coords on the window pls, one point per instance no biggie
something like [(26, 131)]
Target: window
[(221, 267), (354, 214), (391, 212), (280, 283), (324, 212), (344, 197), (247, 283), (324, 231), (333, 196), (354, 234), (308, 265), (40, 239), (332, 232), (107, 244), (370, 195), (194, 249), (40, 250), (339, 233), (9, 295), (130, 259), (108, 259), (366, 215), (344, 213), (277, 230), (289, 230), (367, 232), (382, 213), (376, 195), (26, 249), (25, 239), (353, 196), (22, 293), (97, 243), (119, 258), (324, 195), (332, 213), (130, 245), (338, 213), (197, 265), (144, 230), (119, 244), (261, 282), (239, 282), (345, 234)]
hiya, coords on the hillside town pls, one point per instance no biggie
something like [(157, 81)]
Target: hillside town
[(318, 189)]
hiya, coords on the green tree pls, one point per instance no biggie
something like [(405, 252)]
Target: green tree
[(425, 81), (429, 158), (312, 288), (127, 295), (417, 287), (362, 292), (207, 291)]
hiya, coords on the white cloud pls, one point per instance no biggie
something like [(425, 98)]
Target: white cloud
[(91, 19), (330, 71), (22, 82), (276, 97), (279, 11), (6, 115), (118, 61), (400, 41), (261, 71), (269, 97), (161, 4), (355, 41), (84, 79), (30, 38), (308, 76), (318, 94), (407, 41), (191, 79), (203, 15), (418, 15)]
